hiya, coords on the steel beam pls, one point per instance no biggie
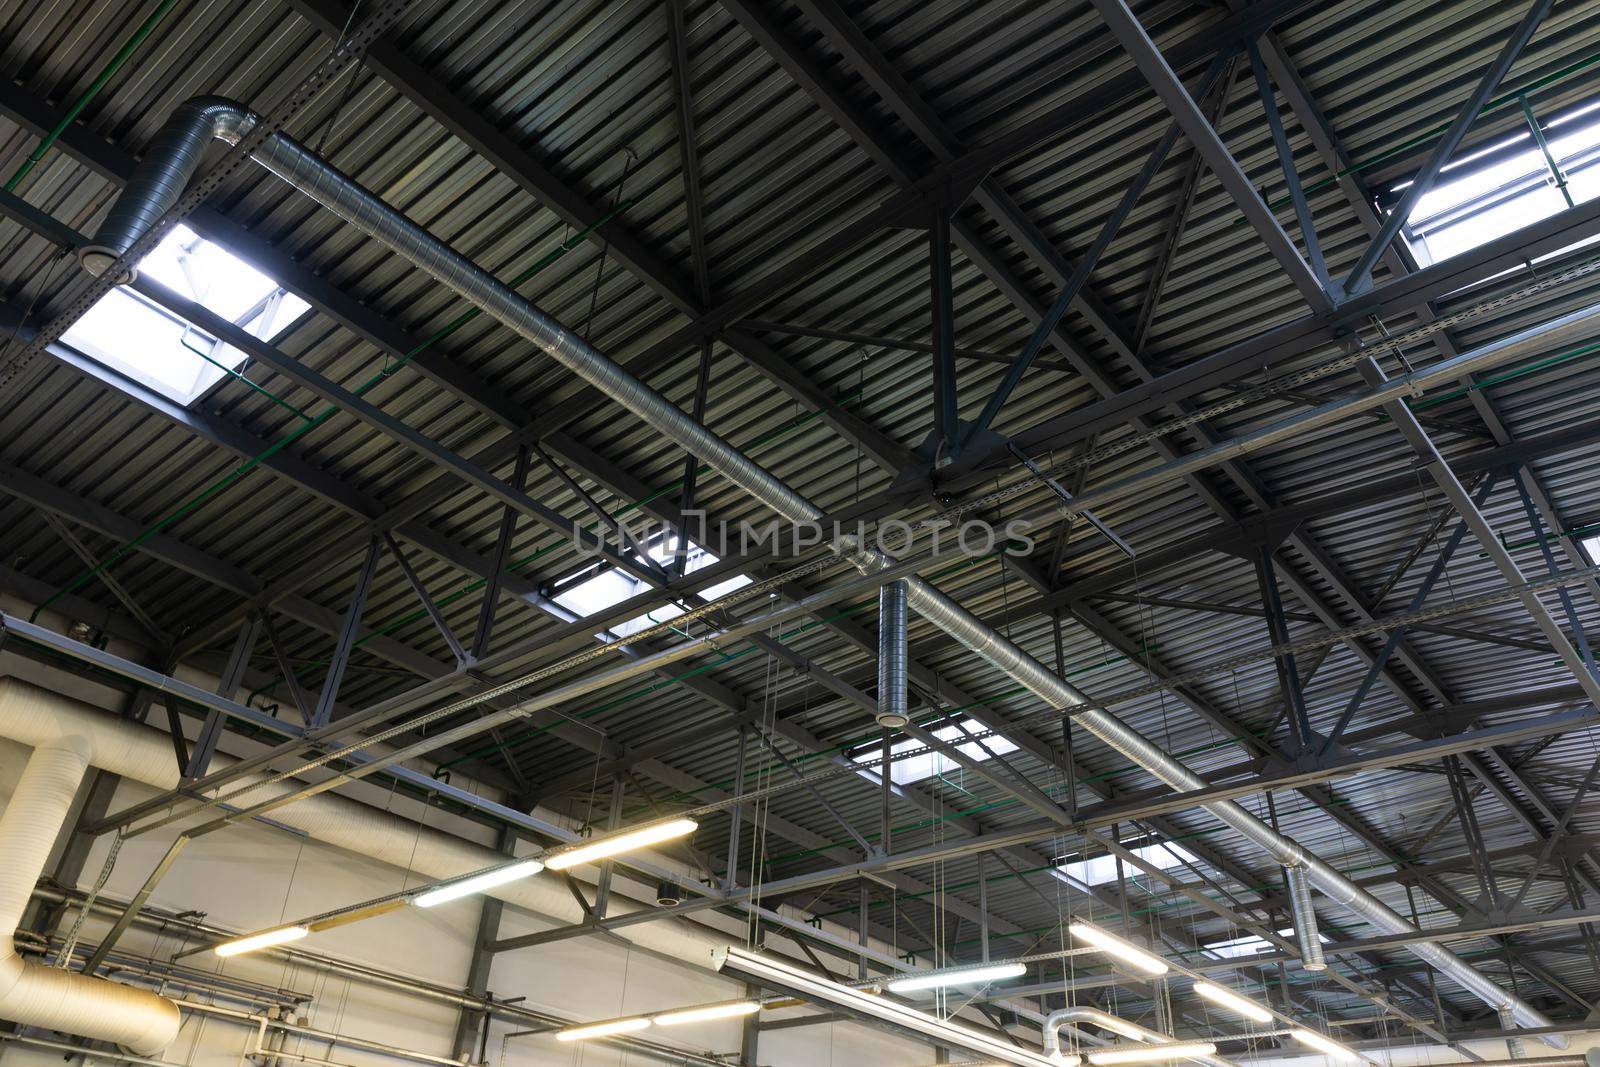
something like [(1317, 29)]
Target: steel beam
[(1187, 190), (1447, 481), (479, 965), (1309, 333), (232, 676), (434, 614), (501, 556), (1422, 180), (1080, 275), (946, 413), (322, 714), (1291, 176), (1392, 642), (1156, 70)]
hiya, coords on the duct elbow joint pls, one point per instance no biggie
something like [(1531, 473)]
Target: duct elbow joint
[(159, 180)]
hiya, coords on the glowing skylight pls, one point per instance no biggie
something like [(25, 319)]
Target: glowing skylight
[(1251, 944), (925, 765), (144, 341), (1474, 202), (611, 586), (1097, 870)]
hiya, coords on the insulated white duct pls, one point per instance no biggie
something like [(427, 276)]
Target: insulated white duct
[(32, 993), (1078, 1015), (44, 720), (39, 718)]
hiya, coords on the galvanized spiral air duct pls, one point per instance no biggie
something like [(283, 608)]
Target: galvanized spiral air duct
[(892, 656), (1306, 933), (212, 117)]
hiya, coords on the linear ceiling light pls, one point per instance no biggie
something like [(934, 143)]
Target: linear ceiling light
[(624, 842), (477, 883), (711, 1011), (1116, 947), (605, 1029), (958, 976), (1233, 1002), (1324, 1044), (265, 939), (1175, 1050), (782, 978)]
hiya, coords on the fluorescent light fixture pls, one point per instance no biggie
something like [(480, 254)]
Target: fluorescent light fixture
[(782, 978), (624, 842), (478, 883), (725, 1010), (1131, 1031), (1125, 951), (1174, 1050), (1323, 1044), (605, 1029), (1233, 1002), (959, 976), (265, 939)]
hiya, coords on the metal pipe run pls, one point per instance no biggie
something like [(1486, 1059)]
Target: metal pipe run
[(1306, 934), (159, 187)]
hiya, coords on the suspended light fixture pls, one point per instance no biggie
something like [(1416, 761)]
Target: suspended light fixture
[(1116, 947), (1325, 1044), (781, 977), (1161, 1053), (957, 976), (478, 883), (1233, 1002), (617, 843), (265, 939), (726, 1010), (605, 1029)]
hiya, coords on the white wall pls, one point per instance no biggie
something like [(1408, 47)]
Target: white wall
[(252, 876)]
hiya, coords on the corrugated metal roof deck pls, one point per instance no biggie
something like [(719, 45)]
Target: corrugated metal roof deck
[(582, 85)]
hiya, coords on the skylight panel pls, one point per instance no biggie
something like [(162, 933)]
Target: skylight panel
[(1472, 204), (925, 765), (1098, 870), (1251, 944), (611, 586), (149, 344)]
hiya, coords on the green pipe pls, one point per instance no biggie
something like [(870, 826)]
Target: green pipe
[(255, 461), (1508, 376), (99, 83), (234, 373), (1586, 530)]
